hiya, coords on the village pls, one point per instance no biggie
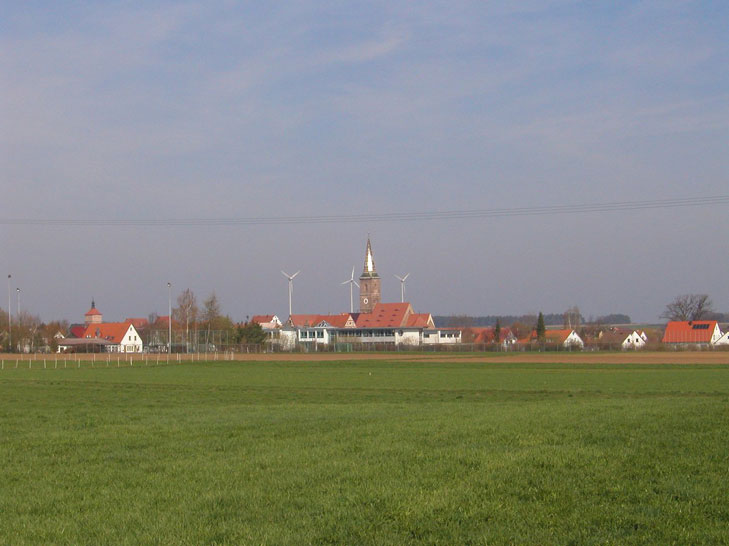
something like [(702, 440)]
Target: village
[(376, 326)]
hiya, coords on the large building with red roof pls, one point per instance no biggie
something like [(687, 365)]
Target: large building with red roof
[(376, 322)]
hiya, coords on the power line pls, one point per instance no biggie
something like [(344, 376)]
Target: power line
[(384, 217)]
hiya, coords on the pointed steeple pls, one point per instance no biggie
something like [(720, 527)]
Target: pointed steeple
[(369, 283), (369, 262)]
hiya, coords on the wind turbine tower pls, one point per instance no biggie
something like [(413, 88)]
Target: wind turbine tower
[(351, 282), (402, 286), (291, 285)]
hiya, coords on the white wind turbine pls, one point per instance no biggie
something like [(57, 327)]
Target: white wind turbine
[(402, 286), (351, 282), (291, 285)]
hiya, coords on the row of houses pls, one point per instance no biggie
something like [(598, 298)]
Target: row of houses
[(382, 324), (396, 324), (677, 334), (391, 324)]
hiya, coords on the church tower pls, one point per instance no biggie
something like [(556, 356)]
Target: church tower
[(369, 283), (93, 316)]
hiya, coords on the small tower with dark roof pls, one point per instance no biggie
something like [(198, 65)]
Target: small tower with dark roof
[(93, 316), (369, 283)]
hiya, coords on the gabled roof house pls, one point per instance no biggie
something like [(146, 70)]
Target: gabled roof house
[(692, 332), (556, 338), (122, 336), (267, 322)]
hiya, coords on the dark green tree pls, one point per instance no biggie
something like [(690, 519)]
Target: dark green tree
[(251, 333), (541, 329), (497, 332)]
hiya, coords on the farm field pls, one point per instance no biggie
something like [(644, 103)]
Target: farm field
[(435, 449)]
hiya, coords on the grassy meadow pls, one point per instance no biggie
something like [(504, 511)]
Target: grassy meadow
[(365, 452)]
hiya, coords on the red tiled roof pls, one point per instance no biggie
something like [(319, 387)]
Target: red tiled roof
[(111, 331), (138, 322), (337, 321), (304, 320), (550, 336), (77, 330), (385, 315), (486, 335), (91, 312), (420, 320), (557, 336), (164, 322), (696, 331), (262, 319)]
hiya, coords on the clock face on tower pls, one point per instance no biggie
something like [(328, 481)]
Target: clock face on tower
[(365, 301)]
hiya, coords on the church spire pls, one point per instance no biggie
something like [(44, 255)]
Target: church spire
[(369, 283), (369, 262)]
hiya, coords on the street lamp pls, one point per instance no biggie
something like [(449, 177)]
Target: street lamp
[(169, 318), (10, 321), (18, 291)]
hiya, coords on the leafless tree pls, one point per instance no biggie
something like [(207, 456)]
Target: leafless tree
[(186, 312), (572, 318), (688, 307), (211, 314)]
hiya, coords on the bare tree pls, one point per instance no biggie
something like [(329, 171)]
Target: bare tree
[(688, 307), (211, 314), (572, 318), (186, 312)]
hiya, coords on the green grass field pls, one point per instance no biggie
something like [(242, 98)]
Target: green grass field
[(367, 452)]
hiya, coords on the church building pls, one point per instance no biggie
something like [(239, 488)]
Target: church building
[(375, 323), (369, 283)]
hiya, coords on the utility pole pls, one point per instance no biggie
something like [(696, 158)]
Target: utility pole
[(10, 322), (169, 318)]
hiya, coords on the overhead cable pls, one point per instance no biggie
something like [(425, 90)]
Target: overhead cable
[(382, 217)]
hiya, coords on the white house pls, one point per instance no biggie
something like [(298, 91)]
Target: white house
[(122, 336), (700, 333), (267, 322), (635, 340), (624, 338), (723, 340), (569, 339)]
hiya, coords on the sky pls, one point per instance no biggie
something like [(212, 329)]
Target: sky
[(122, 114)]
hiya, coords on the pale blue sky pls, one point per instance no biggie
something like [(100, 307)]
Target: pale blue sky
[(138, 111)]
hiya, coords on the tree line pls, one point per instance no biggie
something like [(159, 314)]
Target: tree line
[(685, 307), (197, 322)]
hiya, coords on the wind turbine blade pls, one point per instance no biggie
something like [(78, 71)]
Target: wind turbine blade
[(299, 271), (355, 283), (347, 281), (405, 277), (398, 278)]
